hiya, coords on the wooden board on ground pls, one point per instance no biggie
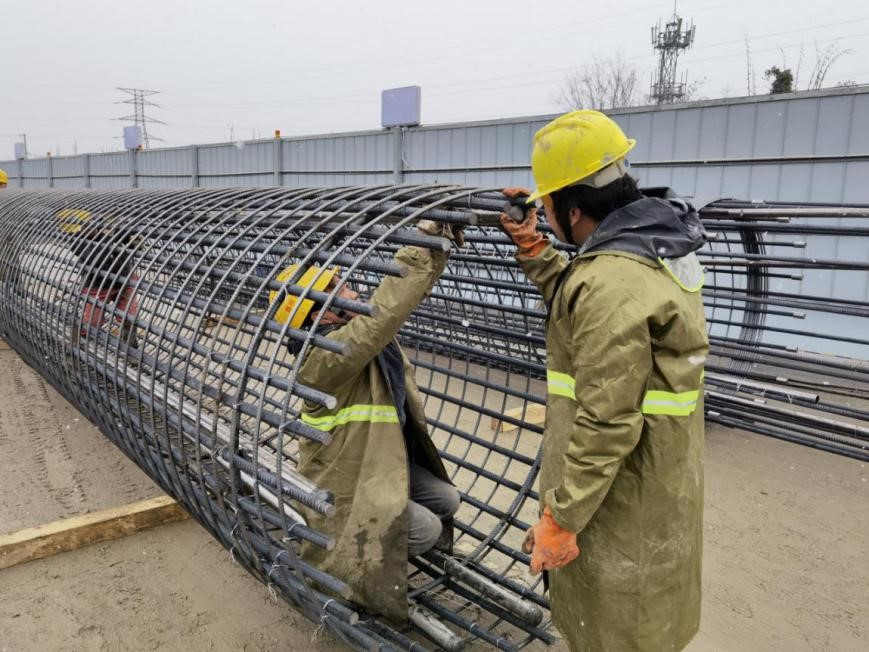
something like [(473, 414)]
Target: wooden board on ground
[(533, 413), (72, 533)]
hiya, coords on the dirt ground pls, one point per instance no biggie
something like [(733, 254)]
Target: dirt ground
[(786, 544)]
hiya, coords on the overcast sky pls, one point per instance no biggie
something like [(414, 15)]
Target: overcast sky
[(236, 70)]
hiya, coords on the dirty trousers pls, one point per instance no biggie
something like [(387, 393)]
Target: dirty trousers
[(431, 501)]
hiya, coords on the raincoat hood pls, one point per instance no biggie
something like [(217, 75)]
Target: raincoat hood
[(662, 226)]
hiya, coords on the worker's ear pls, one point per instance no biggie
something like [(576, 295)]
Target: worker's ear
[(574, 216)]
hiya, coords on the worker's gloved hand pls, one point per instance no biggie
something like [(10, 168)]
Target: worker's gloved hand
[(453, 232), (549, 545), (523, 234)]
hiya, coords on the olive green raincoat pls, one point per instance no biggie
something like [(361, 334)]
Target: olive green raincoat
[(366, 464), (623, 444)]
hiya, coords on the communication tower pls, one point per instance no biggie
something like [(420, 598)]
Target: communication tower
[(670, 40)]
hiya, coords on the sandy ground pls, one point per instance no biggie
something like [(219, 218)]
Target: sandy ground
[(787, 539)]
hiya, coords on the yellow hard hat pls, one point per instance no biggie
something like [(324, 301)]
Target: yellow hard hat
[(314, 278), (4, 178), (573, 147), (71, 220)]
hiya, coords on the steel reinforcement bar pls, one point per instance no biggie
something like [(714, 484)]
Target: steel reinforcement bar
[(154, 313)]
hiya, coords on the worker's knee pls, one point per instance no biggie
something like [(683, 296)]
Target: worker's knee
[(424, 529), (450, 502), (437, 495)]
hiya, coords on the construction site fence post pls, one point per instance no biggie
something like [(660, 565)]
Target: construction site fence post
[(397, 162), (86, 170), (194, 166), (133, 181), (277, 161)]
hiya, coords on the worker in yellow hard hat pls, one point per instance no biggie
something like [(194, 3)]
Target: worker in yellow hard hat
[(393, 497), (6, 245), (314, 278), (621, 478), (106, 251)]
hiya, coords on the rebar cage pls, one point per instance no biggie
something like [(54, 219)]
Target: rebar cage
[(153, 312)]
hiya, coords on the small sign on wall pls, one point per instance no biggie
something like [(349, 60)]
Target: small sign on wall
[(400, 107), (132, 137)]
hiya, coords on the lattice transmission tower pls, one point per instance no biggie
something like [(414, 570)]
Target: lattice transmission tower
[(137, 99), (670, 40)]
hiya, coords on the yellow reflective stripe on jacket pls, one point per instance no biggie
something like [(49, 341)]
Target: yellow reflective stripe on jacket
[(679, 404), (372, 413), (560, 384)]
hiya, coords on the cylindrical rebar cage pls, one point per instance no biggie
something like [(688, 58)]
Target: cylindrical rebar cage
[(154, 312)]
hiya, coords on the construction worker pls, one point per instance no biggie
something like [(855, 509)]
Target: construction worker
[(393, 497), (103, 250), (7, 241), (621, 480)]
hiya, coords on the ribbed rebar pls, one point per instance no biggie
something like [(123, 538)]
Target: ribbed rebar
[(154, 313)]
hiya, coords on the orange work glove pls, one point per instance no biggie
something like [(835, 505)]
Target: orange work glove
[(550, 545), (524, 234)]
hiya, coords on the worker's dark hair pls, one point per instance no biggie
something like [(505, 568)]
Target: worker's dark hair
[(597, 203)]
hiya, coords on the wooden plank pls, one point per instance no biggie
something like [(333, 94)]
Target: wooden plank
[(533, 413), (77, 531), (4, 346), (211, 322)]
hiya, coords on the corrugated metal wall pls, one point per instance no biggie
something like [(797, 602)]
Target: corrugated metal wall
[(801, 147)]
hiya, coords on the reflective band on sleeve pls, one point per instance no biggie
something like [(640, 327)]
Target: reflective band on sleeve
[(671, 403), (372, 413), (560, 384)]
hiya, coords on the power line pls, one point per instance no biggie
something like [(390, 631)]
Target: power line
[(514, 39), (433, 90), (563, 69)]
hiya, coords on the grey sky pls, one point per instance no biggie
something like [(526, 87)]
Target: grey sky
[(245, 68)]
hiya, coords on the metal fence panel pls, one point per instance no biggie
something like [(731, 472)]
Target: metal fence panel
[(801, 127), (713, 132), (68, 171), (237, 164), (110, 170), (687, 136), (740, 130), (164, 168), (34, 172), (736, 132), (769, 135), (811, 146), (662, 136), (835, 115), (856, 186)]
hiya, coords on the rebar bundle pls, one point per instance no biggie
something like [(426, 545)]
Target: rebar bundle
[(154, 313)]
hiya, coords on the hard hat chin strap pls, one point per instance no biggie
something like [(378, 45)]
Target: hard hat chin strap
[(563, 220)]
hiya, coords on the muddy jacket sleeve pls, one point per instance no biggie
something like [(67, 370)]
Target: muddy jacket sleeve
[(394, 299), (612, 359), (544, 270)]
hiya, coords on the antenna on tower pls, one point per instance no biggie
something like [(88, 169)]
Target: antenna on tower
[(670, 41), (140, 120)]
